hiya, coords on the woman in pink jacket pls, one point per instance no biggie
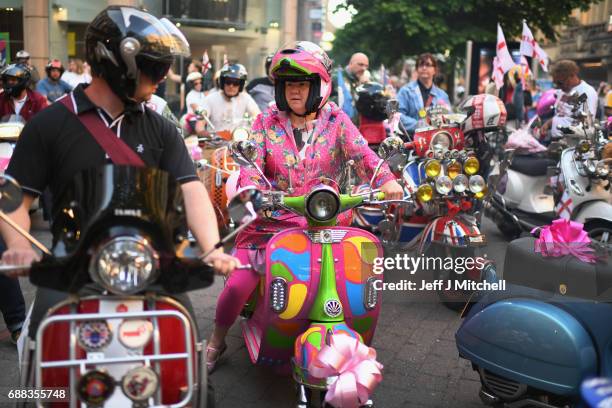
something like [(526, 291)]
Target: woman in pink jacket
[(302, 138)]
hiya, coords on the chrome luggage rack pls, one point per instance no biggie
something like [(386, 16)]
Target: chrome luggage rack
[(80, 365)]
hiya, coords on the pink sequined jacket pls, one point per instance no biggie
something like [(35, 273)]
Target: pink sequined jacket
[(334, 141)]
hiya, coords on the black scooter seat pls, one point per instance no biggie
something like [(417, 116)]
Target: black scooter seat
[(565, 275), (531, 165)]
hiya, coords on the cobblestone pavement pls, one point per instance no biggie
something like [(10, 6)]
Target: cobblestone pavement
[(414, 341)]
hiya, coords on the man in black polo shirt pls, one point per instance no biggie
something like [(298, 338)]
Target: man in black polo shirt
[(129, 51)]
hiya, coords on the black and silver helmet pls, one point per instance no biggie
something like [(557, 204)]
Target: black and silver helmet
[(235, 71), (18, 71), (123, 43)]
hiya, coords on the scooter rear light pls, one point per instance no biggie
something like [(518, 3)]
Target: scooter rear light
[(278, 295), (371, 294)]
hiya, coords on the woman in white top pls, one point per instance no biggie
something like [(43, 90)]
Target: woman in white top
[(76, 73), (195, 97)]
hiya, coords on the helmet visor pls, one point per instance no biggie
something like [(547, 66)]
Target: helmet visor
[(155, 70), (159, 38)]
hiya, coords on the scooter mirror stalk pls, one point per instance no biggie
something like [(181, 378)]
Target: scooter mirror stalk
[(246, 150), (11, 197)]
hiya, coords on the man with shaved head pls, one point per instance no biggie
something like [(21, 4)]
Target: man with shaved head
[(565, 78), (346, 80)]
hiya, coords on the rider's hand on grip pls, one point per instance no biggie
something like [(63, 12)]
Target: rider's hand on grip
[(392, 190), (19, 256), (223, 263)]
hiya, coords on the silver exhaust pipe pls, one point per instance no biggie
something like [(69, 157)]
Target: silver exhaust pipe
[(488, 398)]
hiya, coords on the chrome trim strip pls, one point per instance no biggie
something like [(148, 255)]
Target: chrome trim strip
[(156, 347), (72, 354), (114, 360), (326, 236)]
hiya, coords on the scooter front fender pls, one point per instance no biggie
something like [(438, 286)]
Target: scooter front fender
[(308, 345), (529, 341)]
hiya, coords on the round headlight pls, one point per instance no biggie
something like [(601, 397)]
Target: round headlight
[(590, 166), (477, 184), (584, 146), (125, 265), (471, 166), (323, 204), (441, 142), (425, 193), (460, 183), (444, 185), (432, 168), (239, 134), (453, 169), (479, 195), (602, 168)]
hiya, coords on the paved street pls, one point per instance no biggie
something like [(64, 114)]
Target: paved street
[(414, 341)]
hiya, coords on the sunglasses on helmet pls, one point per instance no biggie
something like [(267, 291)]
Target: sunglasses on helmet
[(234, 82), (155, 70)]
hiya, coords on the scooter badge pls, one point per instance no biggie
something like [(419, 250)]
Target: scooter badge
[(140, 383), (333, 308), (95, 387), (135, 334), (94, 335)]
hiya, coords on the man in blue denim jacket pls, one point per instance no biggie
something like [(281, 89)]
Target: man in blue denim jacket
[(420, 94), (345, 82)]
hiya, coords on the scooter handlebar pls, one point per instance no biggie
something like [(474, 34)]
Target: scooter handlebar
[(8, 269)]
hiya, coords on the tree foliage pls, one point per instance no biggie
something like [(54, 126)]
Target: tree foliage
[(388, 30)]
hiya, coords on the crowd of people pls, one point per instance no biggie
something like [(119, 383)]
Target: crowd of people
[(299, 87)]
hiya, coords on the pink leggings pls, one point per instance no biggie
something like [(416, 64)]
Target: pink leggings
[(238, 288)]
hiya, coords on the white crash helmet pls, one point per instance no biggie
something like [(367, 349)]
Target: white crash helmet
[(194, 76), (484, 112)]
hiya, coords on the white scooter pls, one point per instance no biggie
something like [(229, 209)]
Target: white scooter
[(581, 191)]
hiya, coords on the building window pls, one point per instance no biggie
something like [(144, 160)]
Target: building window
[(208, 12)]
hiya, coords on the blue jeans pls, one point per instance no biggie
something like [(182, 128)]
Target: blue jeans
[(12, 304)]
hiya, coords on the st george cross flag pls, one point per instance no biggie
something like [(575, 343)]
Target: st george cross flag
[(498, 73), (205, 62), (502, 61), (505, 61), (530, 48)]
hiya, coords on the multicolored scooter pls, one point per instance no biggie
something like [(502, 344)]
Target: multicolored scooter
[(319, 287)]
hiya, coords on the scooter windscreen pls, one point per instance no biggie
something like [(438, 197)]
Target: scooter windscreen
[(110, 213), (118, 195)]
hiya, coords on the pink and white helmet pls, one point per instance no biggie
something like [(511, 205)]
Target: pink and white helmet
[(484, 111), (302, 60), (546, 103)]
